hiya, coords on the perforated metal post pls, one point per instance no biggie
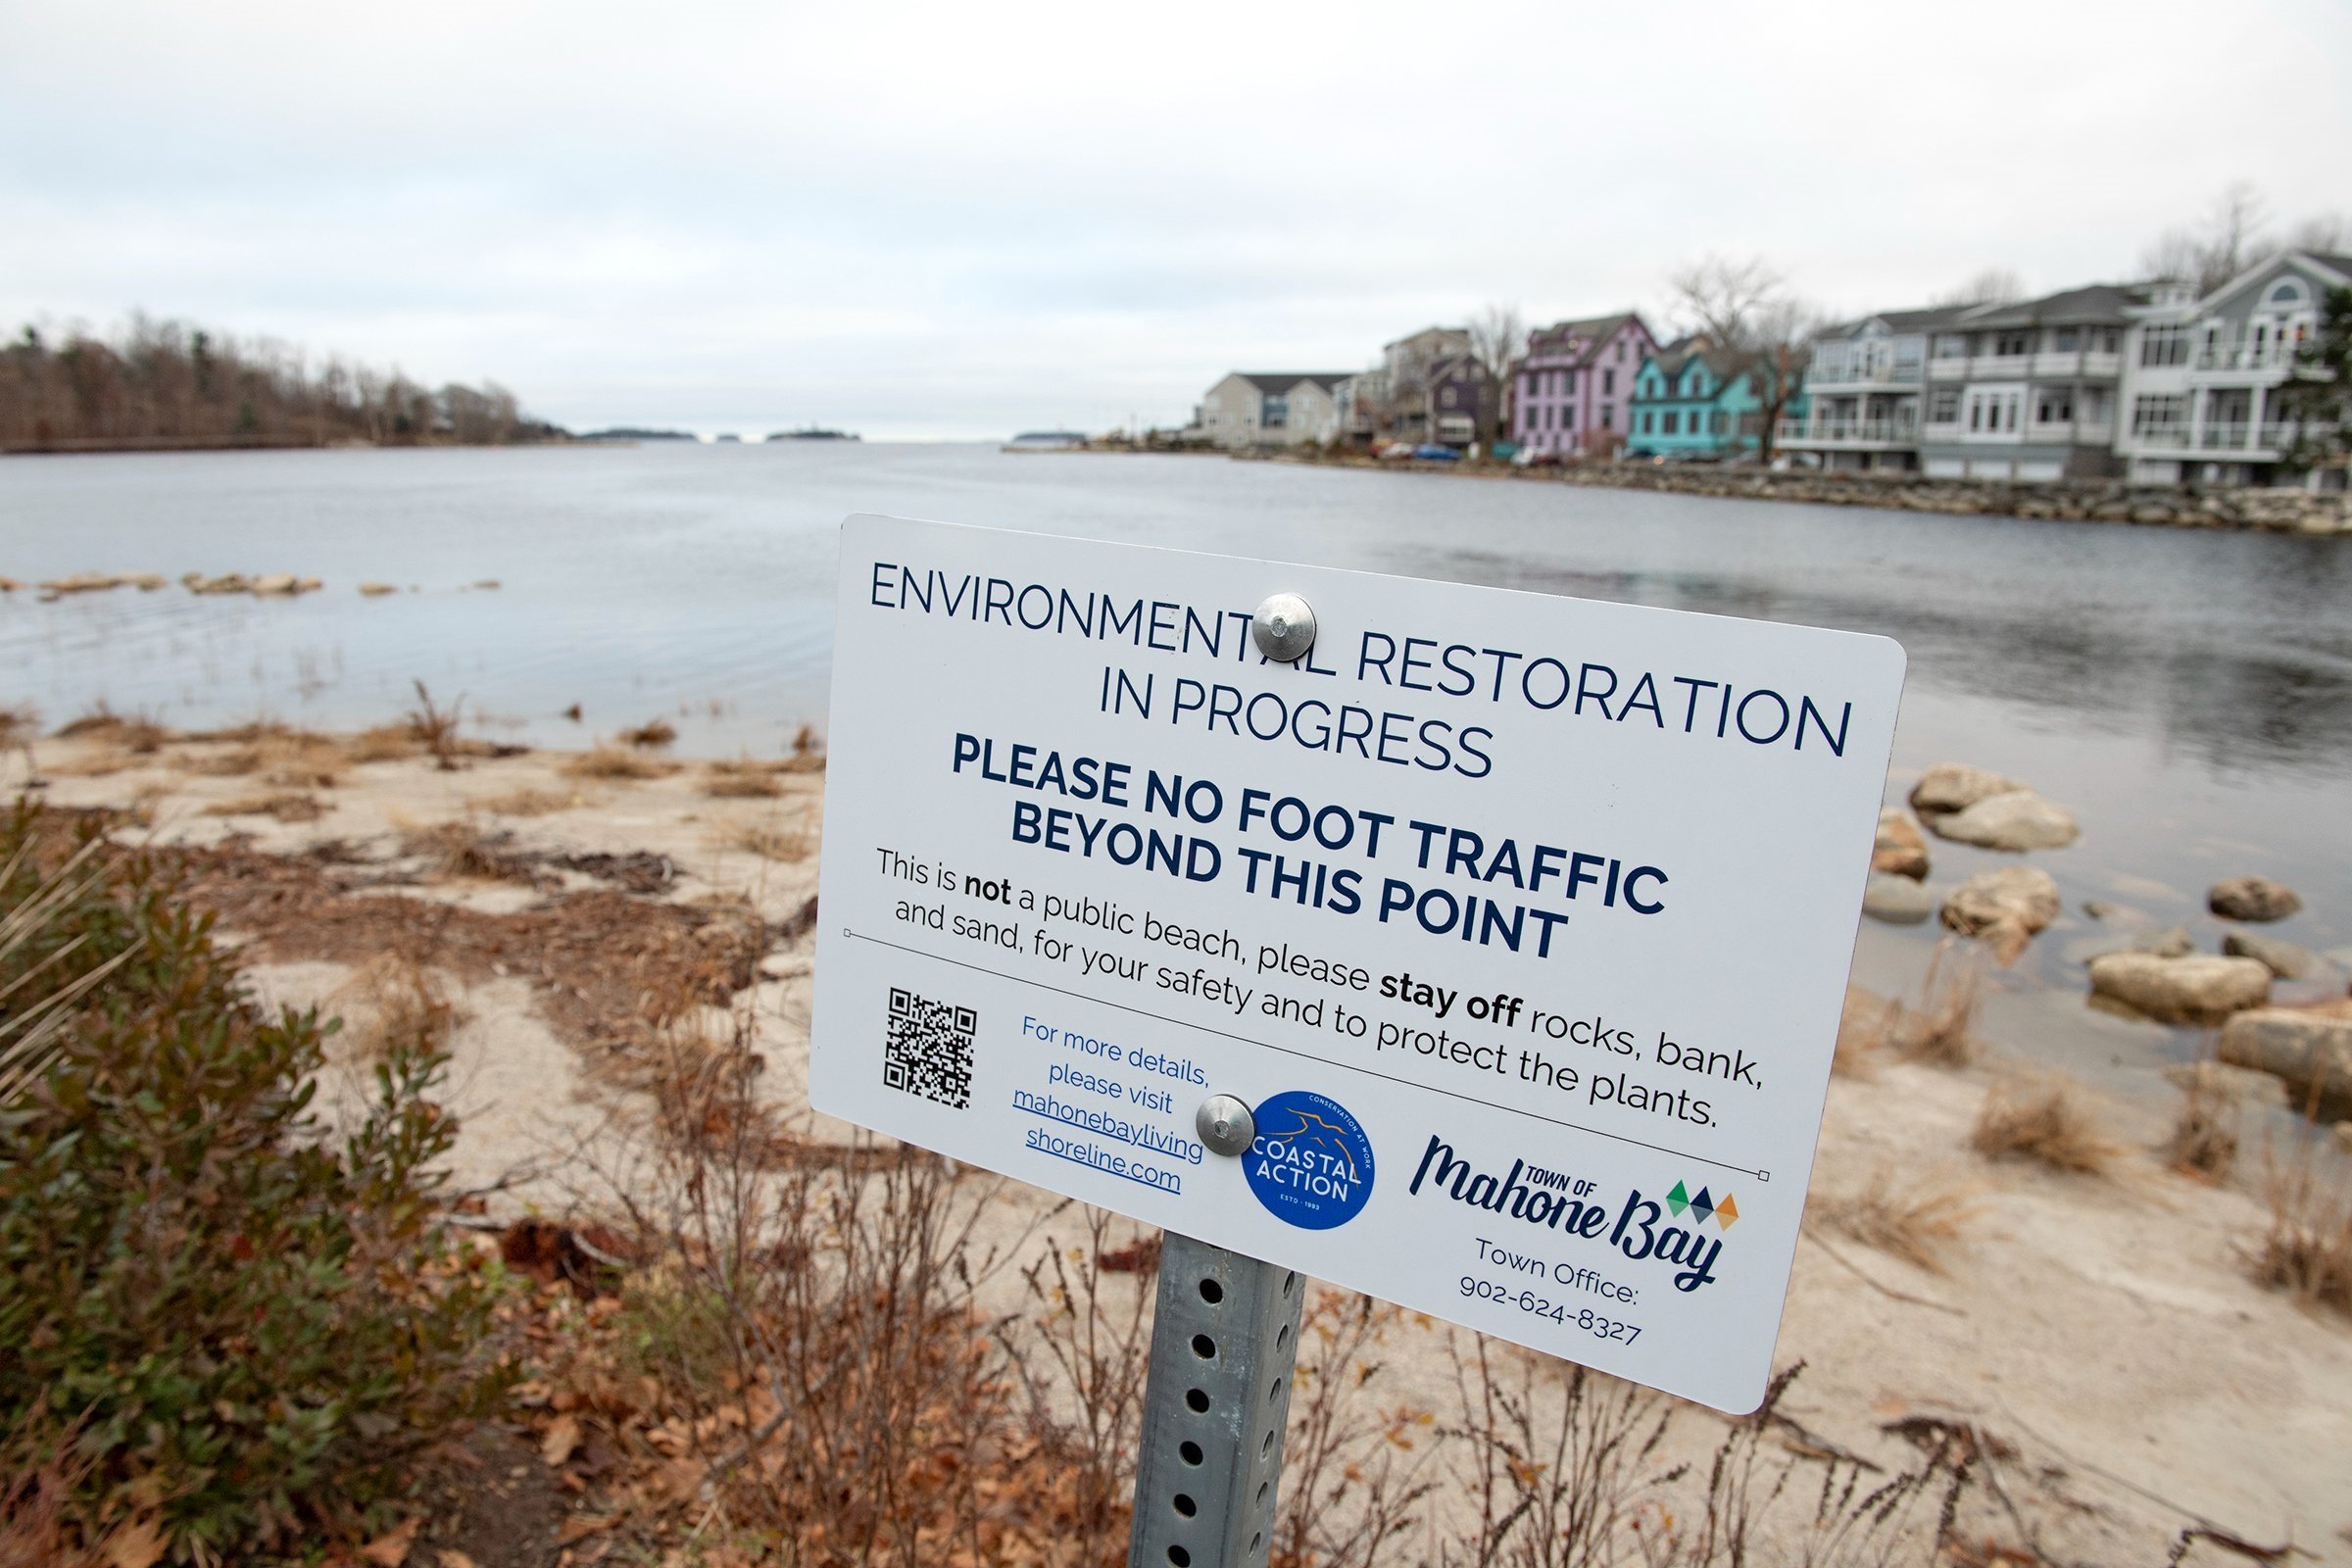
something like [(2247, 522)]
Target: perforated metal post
[(1223, 1347)]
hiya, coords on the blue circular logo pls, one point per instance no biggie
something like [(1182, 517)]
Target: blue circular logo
[(1311, 1164)]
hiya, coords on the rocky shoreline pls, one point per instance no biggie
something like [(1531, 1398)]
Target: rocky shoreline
[(2268, 511)]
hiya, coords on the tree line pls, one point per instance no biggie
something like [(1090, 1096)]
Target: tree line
[(166, 384)]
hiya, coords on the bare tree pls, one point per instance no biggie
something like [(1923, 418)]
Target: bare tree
[(1782, 330), (1995, 285), (1723, 297), (1497, 336), (2216, 248)]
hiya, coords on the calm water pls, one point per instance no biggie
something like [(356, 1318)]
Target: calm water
[(2189, 694)]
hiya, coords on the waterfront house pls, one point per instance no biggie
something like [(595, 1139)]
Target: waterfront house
[(2199, 374), (1864, 386), (1575, 383), (1693, 400), (2027, 390), (1279, 407)]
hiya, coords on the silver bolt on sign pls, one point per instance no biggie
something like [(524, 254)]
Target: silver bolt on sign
[(1284, 626), (1225, 1125)]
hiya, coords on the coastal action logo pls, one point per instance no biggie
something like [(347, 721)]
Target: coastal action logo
[(1311, 1164)]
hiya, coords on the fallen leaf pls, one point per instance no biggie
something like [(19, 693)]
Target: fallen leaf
[(580, 1525), (451, 1557), (563, 1436), (392, 1550), (138, 1544)]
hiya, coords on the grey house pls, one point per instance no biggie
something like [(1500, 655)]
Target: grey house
[(2029, 390), (1272, 407)]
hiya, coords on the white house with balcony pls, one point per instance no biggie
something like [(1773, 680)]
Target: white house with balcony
[(2199, 376), (1273, 408), (2028, 391), (1865, 386)]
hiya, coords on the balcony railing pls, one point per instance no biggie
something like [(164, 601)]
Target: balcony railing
[(1888, 431), (2244, 357), (2226, 436), (1904, 372)]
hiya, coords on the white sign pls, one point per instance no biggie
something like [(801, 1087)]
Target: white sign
[(1522, 922)]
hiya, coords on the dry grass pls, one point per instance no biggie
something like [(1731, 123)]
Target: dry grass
[(436, 729), (383, 743), (1862, 1027), (19, 722), (772, 839), (1915, 1216), (290, 759), (2308, 1249), (528, 803), (131, 733), (2048, 1122), (2204, 1138), (461, 850), (614, 762), (651, 736), (393, 1004), (742, 779), (287, 807), (1942, 1029)]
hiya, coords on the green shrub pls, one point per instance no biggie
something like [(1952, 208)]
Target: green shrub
[(247, 1324)]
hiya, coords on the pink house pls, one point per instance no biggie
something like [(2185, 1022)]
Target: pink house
[(1575, 382)]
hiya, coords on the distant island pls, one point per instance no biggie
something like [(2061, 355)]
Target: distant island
[(165, 386), (632, 432), (813, 434)]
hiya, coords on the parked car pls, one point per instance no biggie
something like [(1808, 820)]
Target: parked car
[(1430, 452), (1396, 448), (1530, 457)]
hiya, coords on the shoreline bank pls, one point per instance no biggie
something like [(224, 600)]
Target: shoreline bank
[(2319, 514)]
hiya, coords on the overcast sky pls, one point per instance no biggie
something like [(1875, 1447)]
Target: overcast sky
[(964, 219)]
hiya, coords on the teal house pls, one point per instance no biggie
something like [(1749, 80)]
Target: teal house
[(1693, 400)]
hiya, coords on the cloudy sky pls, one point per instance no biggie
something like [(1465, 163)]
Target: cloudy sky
[(964, 220)]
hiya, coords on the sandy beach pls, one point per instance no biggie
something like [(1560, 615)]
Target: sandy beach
[(2101, 1333)]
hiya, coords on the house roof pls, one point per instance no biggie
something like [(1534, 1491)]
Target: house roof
[(2092, 303), (1442, 331), (1727, 364), (1929, 319), (1595, 330), (1284, 380)]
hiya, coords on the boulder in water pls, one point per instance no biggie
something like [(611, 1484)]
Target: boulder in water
[(2004, 909), (2197, 989), (2282, 958), (2014, 819), (1955, 787), (1896, 900), (2252, 897), (1900, 850)]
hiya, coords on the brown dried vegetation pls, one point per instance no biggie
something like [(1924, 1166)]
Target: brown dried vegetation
[(617, 764), (652, 735), (2308, 1249), (1942, 1029), (2046, 1121), (1909, 1215), (283, 806)]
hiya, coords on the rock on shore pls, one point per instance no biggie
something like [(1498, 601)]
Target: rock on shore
[(2197, 989), (1955, 787), (2004, 909), (1899, 850), (2311, 1050), (1896, 900)]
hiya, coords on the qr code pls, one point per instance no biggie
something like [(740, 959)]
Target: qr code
[(928, 1049)]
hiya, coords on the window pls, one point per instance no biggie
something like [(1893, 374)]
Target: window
[(2054, 405), (2156, 414), (1645, 417), (2066, 340), (2098, 405), (2286, 291), (2008, 345), (2164, 345), (1951, 346), (1608, 416), (1571, 375), (1718, 422), (2105, 339), (1674, 421), (1276, 414), (1943, 406), (1608, 381), (1697, 386)]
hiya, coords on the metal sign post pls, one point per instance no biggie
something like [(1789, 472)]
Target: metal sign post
[(1222, 1351), (1224, 1342)]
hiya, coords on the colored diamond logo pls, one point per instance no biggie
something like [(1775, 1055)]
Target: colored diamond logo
[(1726, 1211), (1678, 1200), (1703, 1205)]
